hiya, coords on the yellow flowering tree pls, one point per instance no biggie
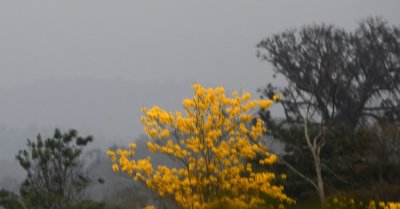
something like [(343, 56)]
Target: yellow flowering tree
[(212, 141)]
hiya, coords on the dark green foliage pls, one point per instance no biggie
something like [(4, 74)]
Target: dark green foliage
[(371, 161), (10, 200), (55, 178), (352, 81)]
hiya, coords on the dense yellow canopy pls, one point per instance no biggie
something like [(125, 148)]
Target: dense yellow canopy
[(213, 141)]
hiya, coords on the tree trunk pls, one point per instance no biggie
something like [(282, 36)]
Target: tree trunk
[(320, 181)]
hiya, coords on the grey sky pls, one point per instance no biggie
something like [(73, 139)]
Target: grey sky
[(91, 64), (211, 41)]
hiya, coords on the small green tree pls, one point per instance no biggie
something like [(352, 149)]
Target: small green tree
[(55, 178)]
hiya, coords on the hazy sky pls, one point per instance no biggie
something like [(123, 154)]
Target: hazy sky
[(91, 64), (210, 41)]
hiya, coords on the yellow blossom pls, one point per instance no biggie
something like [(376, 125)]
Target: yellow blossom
[(115, 167), (210, 141), (276, 97)]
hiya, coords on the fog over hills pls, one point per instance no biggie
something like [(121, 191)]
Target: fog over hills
[(109, 110)]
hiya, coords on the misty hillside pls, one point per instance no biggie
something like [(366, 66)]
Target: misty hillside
[(11, 175), (109, 110)]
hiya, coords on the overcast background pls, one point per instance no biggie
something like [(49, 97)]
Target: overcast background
[(91, 65)]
